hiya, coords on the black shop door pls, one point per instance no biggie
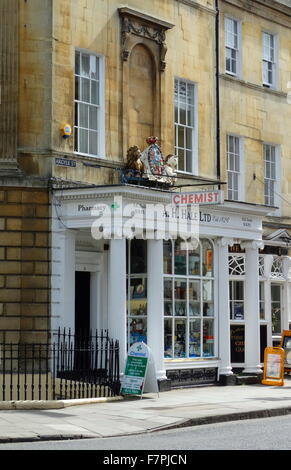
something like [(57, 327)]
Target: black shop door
[(82, 322), (82, 303)]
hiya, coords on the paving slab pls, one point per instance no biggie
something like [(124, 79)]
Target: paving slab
[(131, 415)]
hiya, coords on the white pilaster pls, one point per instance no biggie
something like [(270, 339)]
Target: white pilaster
[(63, 279), (155, 295), (223, 307), (251, 311), (117, 296)]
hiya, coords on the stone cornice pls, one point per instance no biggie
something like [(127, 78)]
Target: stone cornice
[(197, 5), (254, 86), (264, 9), (136, 25), (145, 18)]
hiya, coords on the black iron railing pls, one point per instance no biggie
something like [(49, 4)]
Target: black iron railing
[(70, 367)]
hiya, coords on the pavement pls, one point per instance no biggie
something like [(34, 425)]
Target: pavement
[(98, 418)]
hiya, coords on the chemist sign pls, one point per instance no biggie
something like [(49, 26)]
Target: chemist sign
[(137, 370), (198, 197)]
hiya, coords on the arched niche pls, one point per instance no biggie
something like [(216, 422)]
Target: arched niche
[(143, 51), (143, 96)]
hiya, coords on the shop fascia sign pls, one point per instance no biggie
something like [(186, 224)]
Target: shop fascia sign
[(198, 197)]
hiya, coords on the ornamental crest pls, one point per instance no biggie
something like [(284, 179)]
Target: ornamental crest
[(150, 165), (153, 159)]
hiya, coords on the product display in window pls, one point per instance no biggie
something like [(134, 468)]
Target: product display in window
[(138, 330), (188, 299)]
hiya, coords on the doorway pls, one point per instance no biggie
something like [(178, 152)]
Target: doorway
[(82, 320), (82, 303)]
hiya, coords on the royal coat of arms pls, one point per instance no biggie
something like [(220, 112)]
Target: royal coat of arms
[(150, 164)]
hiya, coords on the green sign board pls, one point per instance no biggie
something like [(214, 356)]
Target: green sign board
[(135, 370)]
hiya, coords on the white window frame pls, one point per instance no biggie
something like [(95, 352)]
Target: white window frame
[(275, 178), (187, 278), (193, 148), (232, 170), (270, 59), (100, 107), (237, 48)]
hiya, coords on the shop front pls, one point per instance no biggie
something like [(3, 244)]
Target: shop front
[(194, 300)]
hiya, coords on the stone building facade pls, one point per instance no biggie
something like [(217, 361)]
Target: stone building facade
[(82, 81)]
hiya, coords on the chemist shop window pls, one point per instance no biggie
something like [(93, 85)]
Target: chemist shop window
[(188, 300), (136, 291)]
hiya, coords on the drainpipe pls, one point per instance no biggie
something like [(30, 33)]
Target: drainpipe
[(218, 172)]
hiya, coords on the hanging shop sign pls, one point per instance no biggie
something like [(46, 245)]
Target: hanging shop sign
[(198, 197), (286, 346), (273, 366), (139, 374)]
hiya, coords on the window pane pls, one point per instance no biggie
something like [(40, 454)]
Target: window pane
[(85, 70), (195, 338), (168, 337), (207, 258), (83, 115), (182, 117), (168, 289), (93, 118), (77, 88), (168, 257), (94, 71), (189, 158), (181, 160), (180, 337), (180, 290), (180, 258), (194, 298), (208, 298), (181, 142), (93, 143), (85, 90), (194, 261), (208, 338), (94, 92), (189, 136), (77, 63), (83, 137)]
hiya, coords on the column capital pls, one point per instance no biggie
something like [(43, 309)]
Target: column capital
[(224, 241), (252, 244)]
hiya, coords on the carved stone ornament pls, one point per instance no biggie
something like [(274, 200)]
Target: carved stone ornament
[(134, 23), (150, 165)]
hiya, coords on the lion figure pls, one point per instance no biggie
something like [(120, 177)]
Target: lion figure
[(133, 161)]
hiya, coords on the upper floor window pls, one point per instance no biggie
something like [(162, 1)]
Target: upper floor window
[(185, 126), (232, 46), (271, 174), (88, 129), (234, 168), (269, 55)]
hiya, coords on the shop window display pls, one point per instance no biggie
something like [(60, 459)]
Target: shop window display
[(137, 291), (188, 300)]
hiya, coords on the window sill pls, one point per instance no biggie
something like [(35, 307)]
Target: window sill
[(254, 86)]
